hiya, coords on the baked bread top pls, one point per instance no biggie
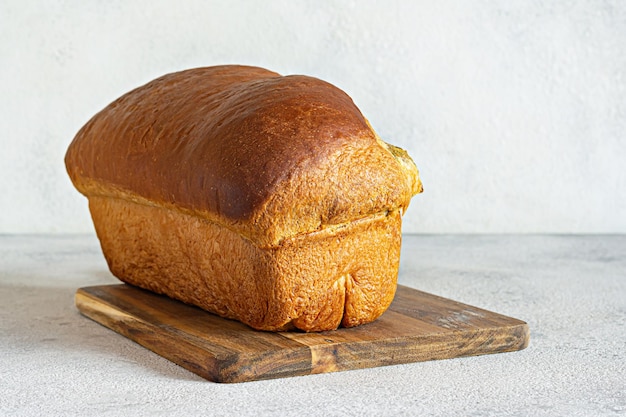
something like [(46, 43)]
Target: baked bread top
[(267, 156)]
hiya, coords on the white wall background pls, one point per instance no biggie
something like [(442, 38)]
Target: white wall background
[(514, 111)]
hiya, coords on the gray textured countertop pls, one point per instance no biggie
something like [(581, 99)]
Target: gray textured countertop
[(570, 289)]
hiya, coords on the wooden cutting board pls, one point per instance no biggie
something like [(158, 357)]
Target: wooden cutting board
[(417, 327)]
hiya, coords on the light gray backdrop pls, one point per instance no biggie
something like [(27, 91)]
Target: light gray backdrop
[(514, 111)]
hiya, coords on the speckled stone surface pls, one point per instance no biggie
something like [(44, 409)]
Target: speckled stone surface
[(570, 289)]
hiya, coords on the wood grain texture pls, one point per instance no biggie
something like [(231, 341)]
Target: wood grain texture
[(417, 327)]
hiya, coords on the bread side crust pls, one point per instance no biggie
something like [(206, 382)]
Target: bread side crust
[(344, 275)]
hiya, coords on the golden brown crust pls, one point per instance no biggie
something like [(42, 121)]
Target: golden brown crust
[(261, 198), (344, 275), (265, 155)]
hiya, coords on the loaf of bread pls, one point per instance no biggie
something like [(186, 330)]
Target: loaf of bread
[(263, 198)]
